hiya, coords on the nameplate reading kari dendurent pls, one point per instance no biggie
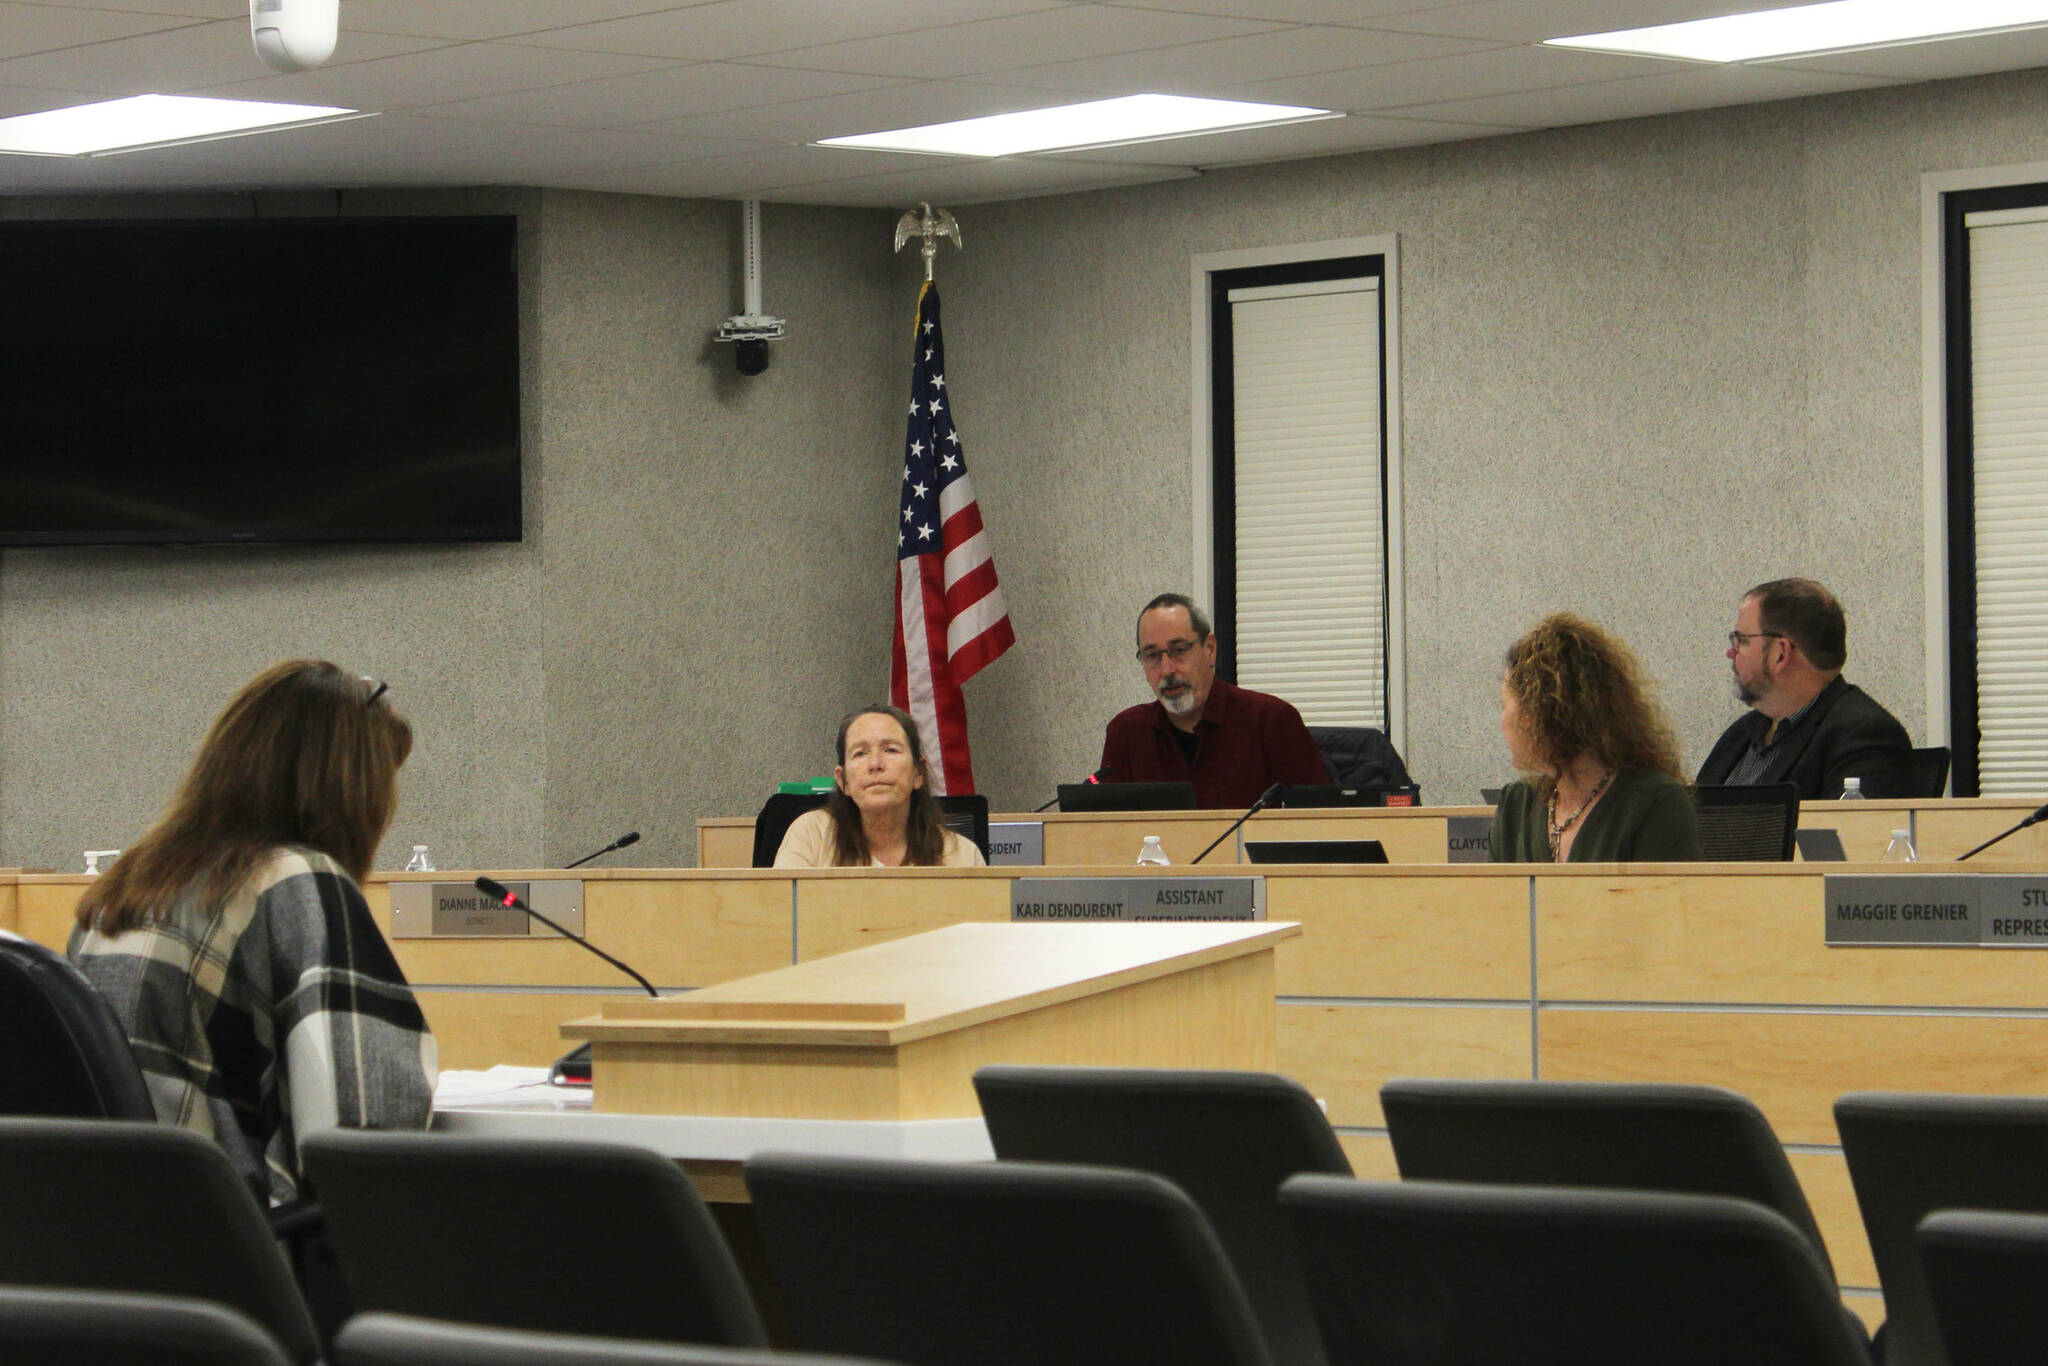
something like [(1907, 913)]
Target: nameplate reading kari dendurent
[(1138, 898), (1943, 908)]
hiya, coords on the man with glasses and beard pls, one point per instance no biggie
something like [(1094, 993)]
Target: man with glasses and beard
[(1806, 724), (1230, 742)]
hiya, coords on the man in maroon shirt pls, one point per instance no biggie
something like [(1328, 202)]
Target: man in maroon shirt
[(1231, 742)]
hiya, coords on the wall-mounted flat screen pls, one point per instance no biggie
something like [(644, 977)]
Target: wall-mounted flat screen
[(250, 380)]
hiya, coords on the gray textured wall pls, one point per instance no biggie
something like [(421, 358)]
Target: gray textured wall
[(682, 624), (1646, 364)]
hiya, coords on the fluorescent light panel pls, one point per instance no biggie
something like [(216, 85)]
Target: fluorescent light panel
[(140, 121), (1099, 123), (1837, 26)]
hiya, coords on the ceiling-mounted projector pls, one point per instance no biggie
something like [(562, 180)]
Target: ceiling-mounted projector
[(294, 35)]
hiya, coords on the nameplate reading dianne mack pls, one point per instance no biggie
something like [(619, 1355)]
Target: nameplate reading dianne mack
[(1138, 898), (457, 910), (1960, 909)]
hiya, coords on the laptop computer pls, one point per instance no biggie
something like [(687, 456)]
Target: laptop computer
[(1336, 794), (1315, 851), (1127, 796), (1820, 846)]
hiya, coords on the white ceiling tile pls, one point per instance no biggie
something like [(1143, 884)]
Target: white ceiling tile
[(744, 28), (1205, 68), (1534, 21), (1496, 71), (900, 105), (761, 169), (1695, 88), (1367, 12), (1934, 61), (1324, 137), (481, 19), (438, 75), (1066, 34), (26, 29), (196, 57), (27, 99), (176, 9), (653, 96), (975, 182)]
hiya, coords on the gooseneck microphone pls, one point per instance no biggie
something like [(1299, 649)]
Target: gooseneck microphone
[(498, 892), (630, 837), (1265, 800), (1097, 776), (2040, 814)]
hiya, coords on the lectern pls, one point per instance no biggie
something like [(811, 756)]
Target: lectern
[(896, 1031)]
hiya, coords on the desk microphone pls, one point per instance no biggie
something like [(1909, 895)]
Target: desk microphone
[(498, 892), (1097, 776), (1265, 800), (630, 837), (2040, 814)]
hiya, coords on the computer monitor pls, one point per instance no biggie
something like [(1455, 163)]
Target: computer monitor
[(1127, 796), (1336, 794), (1315, 851)]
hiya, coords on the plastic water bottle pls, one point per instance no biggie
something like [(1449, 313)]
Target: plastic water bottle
[(95, 857), (1900, 850), (1153, 855), (1852, 790), (421, 861)]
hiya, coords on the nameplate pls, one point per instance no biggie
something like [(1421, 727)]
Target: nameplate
[(1981, 909), (1138, 898), (1470, 838), (1014, 844), (457, 910)]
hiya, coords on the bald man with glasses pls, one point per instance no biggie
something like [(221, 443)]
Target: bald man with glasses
[(1807, 725), (1230, 742)]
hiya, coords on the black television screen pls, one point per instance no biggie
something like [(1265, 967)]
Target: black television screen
[(228, 380)]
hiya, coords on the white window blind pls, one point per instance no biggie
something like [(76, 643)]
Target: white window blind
[(2009, 415), (1311, 559)]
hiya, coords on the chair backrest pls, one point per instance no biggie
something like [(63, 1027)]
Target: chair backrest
[(43, 1327), (777, 815), (62, 1052), (1929, 770), (997, 1264), (1228, 1139), (966, 814), (94, 1205), (1753, 823), (1419, 1273), (399, 1340), (1985, 1272), (620, 1244), (1359, 756), (1910, 1155), (1687, 1140)]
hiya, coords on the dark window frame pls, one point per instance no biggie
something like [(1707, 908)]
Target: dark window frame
[(1959, 455), (1223, 437)]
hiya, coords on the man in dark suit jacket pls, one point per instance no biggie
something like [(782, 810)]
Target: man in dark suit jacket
[(1806, 724)]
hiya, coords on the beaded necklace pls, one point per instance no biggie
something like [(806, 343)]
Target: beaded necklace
[(1558, 829)]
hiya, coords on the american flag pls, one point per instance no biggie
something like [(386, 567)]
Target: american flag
[(950, 617)]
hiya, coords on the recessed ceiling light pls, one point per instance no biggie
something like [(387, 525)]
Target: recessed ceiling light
[(1837, 26), (1099, 123), (143, 121)]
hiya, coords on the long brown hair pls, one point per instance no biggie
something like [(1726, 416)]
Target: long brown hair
[(1581, 693), (924, 832), (304, 755)]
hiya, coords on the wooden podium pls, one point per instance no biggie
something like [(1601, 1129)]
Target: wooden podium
[(896, 1031)]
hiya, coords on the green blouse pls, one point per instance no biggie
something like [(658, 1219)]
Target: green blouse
[(1643, 817)]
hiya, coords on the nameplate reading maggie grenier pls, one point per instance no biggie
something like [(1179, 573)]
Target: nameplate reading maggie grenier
[(1959, 909), (1138, 898)]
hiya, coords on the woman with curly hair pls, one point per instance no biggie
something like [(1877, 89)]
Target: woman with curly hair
[(1601, 778)]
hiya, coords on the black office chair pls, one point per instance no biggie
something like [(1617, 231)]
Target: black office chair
[(549, 1235), (1984, 1273), (1929, 771), (1228, 1139), (1910, 1155), (777, 815), (997, 1264), (1687, 1140), (1418, 1273), (966, 815), (44, 1327), (1753, 823), (397, 1340), (99, 1205), (62, 1052), (1359, 756)]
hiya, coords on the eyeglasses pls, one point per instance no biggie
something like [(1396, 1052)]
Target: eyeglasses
[(1175, 651), (1735, 638), (382, 688)]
